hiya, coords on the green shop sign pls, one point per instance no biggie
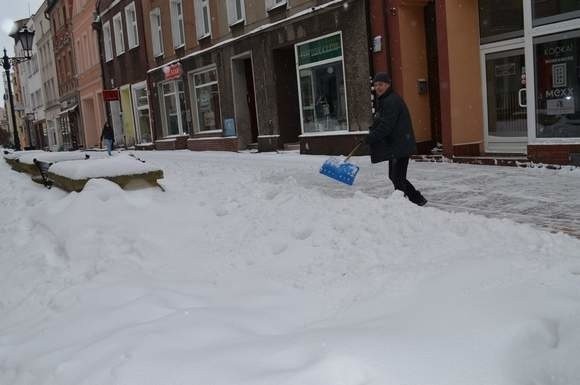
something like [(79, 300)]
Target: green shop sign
[(319, 50)]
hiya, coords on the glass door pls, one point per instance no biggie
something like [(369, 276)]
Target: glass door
[(505, 82)]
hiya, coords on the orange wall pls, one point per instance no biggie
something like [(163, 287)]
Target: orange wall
[(88, 66), (464, 71), (414, 66)]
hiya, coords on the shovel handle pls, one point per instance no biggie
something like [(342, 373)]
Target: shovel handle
[(352, 152)]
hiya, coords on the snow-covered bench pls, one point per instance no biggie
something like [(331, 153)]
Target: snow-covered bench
[(29, 163), (13, 157), (124, 170)]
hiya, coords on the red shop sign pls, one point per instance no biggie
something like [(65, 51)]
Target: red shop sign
[(110, 95), (173, 71)]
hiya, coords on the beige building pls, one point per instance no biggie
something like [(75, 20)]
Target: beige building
[(43, 39), (88, 65)]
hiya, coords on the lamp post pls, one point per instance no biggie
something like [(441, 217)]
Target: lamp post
[(24, 37)]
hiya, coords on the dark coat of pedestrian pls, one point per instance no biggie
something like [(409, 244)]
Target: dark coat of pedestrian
[(108, 136), (391, 137), (108, 132)]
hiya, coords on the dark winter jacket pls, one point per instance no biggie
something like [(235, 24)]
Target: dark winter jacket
[(108, 133), (391, 135)]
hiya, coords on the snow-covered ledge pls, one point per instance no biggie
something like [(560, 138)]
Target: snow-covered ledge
[(123, 170)]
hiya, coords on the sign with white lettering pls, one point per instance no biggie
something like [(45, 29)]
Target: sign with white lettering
[(560, 106)]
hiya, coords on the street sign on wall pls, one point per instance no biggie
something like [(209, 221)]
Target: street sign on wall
[(173, 71), (110, 95)]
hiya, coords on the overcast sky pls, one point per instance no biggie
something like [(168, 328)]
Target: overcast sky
[(11, 10)]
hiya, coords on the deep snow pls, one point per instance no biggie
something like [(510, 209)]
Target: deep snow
[(254, 269)]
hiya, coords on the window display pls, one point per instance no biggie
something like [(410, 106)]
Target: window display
[(322, 86), (558, 85)]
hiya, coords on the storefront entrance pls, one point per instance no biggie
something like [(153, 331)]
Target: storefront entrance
[(530, 56), (244, 100), (506, 112)]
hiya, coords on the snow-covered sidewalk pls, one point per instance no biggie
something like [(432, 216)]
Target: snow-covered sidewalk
[(253, 269)]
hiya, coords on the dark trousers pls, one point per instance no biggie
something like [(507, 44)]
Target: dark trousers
[(398, 175)]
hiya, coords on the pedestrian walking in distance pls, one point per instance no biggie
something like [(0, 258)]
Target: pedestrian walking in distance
[(108, 137), (391, 137)]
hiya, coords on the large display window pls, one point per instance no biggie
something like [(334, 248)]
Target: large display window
[(205, 90), (323, 106), (557, 59), (173, 105)]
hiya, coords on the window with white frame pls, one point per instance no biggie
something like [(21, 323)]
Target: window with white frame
[(119, 38), (321, 85), (107, 41), (206, 100), (172, 100), (271, 4), (156, 32), (131, 20), (141, 111), (202, 18), (177, 28), (236, 11)]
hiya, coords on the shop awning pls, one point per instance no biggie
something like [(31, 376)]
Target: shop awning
[(69, 110)]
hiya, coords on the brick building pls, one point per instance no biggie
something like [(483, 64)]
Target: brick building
[(69, 121)]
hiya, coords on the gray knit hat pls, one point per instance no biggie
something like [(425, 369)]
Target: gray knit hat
[(382, 77)]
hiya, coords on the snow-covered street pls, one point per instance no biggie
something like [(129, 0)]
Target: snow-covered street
[(253, 269)]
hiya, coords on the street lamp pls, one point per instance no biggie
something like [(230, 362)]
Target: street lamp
[(25, 38)]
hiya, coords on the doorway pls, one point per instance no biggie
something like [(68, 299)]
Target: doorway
[(287, 101), (246, 117), (505, 101)]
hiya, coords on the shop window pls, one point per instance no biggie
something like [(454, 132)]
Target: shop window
[(322, 86), (551, 11), (173, 104), (500, 20), (557, 60), (141, 105), (207, 101)]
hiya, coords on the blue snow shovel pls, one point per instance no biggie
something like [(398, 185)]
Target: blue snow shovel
[(340, 169)]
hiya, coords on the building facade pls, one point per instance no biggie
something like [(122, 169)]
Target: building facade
[(123, 48), (43, 39), (88, 65), (18, 78), (229, 75), (34, 108), (69, 120), (484, 76)]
